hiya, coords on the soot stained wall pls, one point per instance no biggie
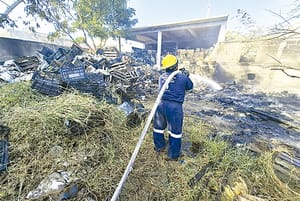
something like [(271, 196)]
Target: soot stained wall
[(14, 48)]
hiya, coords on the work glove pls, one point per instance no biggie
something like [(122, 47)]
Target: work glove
[(185, 72)]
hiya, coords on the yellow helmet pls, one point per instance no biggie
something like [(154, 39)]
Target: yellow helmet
[(168, 61)]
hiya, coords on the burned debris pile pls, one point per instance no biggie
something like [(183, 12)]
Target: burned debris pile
[(95, 75), (54, 72), (20, 69), (107, 75), (257, 122), (272, 116)]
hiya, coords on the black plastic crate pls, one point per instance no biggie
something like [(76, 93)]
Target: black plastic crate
[(72, 73), (59, 53), (95, 78), (4, 130), (53, 67), (3, 155), (47, 52), (74, 51), (101, 64), (93, 84), (78, 62), (87, 87), (47, 83)]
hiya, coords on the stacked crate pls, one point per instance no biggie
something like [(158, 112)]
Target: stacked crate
[(195, 60)]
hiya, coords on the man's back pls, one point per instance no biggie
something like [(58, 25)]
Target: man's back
[(177, 87)]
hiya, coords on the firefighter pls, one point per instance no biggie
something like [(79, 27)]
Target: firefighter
[(169, 113)]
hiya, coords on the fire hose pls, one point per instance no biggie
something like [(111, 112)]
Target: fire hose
[(142, 136)]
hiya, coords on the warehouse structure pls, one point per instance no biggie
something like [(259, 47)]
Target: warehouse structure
[(201, 33)]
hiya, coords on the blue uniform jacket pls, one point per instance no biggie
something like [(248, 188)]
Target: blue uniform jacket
[(177, 87)]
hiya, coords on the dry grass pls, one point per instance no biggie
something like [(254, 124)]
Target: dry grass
[(90, 139)]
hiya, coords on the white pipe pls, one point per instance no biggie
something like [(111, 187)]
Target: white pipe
[(137, 147)]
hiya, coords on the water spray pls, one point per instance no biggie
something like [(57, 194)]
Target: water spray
[(200, 79)]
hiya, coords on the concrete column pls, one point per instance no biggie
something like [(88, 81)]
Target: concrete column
[(222, 33), (119, 44), (158, 54)]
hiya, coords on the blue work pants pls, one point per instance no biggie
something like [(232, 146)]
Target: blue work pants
[(168, 114)]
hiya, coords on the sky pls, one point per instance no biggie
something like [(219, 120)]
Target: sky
[(157, 12)]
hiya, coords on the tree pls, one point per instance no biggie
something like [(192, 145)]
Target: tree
[(80, 20), (4, 18), (102, 19), (245, 27), (289, 25)]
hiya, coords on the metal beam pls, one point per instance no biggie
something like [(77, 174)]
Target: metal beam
[(145, 39)]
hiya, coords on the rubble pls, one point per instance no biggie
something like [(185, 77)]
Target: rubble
[(250, 114), (55, 182), (107, 75), (143, 57), (18, 70), (258, 122)]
